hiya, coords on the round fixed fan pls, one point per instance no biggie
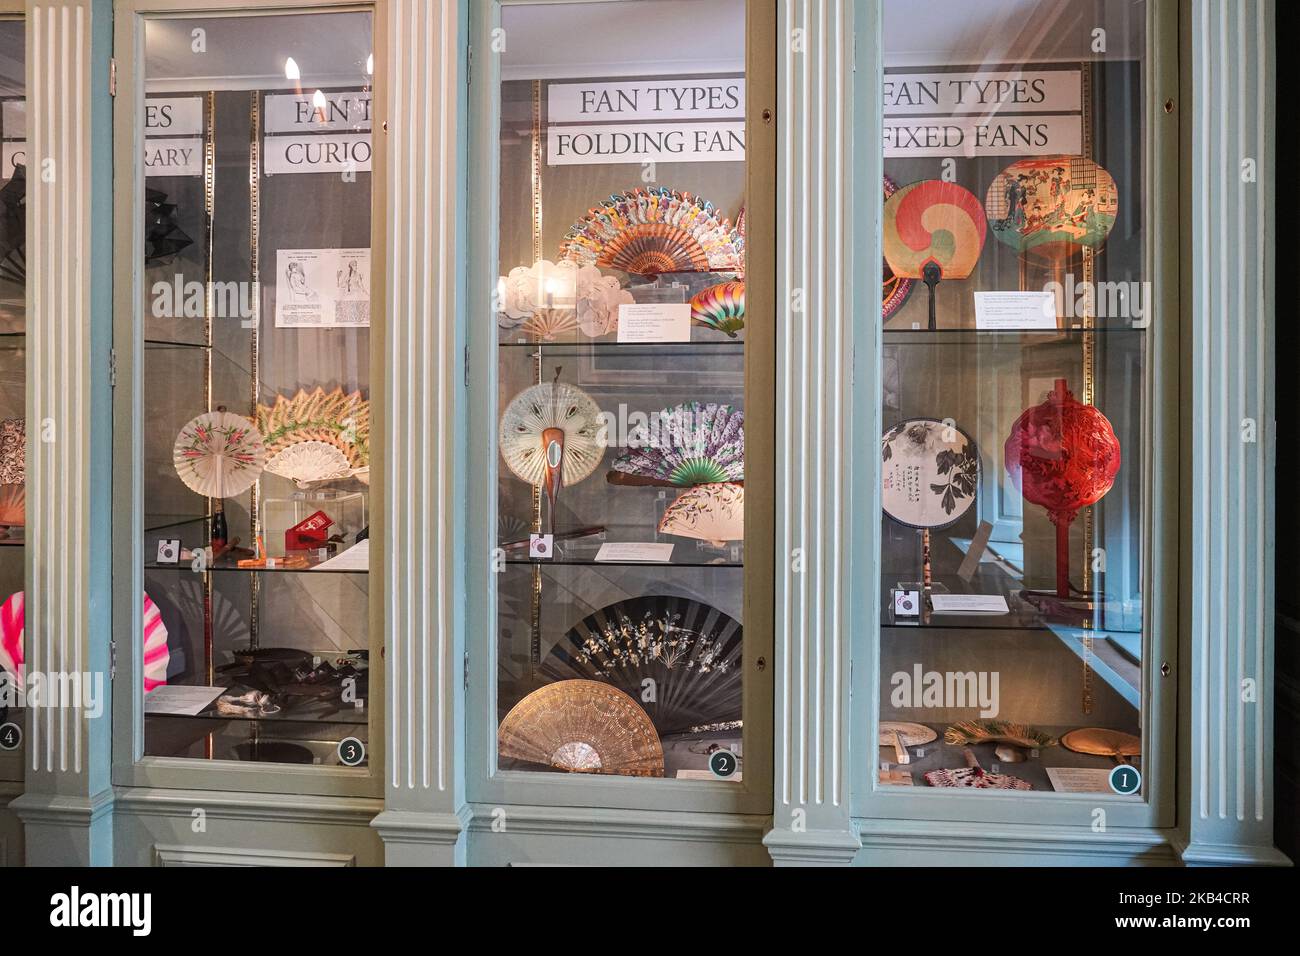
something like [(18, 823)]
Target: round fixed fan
[(13, 451), (12, 620), (13, 505), (1101, 742), (1048, 206), (720, 307), (691, 444), (690, 651), (309, 461), (713, 512), (550, 437), (337, 418), (649, 232), (894, 289), (582, 726), (930, 471), (218, 454)]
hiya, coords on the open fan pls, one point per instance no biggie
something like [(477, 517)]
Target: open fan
[(12, 621), (13, 505), (218, 454), (689, 650), (720, 307), (929, 473), (1102, 742), (163, 238), (713, 512), (649, 232), (599, 297), (1048, 206), (894, 289), (13, 451), (973, 777), (997, 732), (691, 444), (550, 437), (582, 726), (338, 419)]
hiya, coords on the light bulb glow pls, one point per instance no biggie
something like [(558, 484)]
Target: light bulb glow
[(291, 71)]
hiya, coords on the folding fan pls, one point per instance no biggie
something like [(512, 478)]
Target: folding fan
[(218, 454), (1064, 456), (550, 437), (690, 651), (13, 451), (649, 232), (337, 418), (713, 512), (13, 505), (973, 777), (690, 444), (582, 726), (894, 289), (1047, 206), (163, 238), (306, 462), (12, 620), (933, 230), (721, 307)]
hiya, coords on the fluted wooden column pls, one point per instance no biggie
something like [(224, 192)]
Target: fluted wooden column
[(425, 812), (811, 818), (67, 806), (1226, 785)]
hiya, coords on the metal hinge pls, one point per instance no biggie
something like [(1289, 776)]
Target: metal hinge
[(112, 368), (467, 670), (112, 659), (467, 366), (112, 76)]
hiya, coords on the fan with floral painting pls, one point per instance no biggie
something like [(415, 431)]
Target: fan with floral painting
[(690, 444)]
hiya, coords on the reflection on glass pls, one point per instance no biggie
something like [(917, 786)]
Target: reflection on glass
[(257, 388), (620, 373), (1016, 312)]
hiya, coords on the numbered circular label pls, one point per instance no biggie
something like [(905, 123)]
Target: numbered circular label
[(11, 736), (1125, 779), (723, 763), (352, 752)]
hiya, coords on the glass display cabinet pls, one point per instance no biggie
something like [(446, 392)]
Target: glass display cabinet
[(13, 389), (621, 407), (246, 380), (1027, 359)]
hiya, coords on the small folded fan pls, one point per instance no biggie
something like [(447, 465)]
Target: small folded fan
[(338, 419), (973, 777), (1101, 742), (691, 444), (689, 650), (713, 512), (582, 726), (894, 289), (902, 734), (966, 732), (720, 307), (219, 454), (13, 505), (650, 232)]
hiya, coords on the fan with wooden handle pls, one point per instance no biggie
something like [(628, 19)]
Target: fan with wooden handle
[(902, 734)]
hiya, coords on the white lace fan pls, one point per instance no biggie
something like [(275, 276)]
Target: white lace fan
[(307, 462)]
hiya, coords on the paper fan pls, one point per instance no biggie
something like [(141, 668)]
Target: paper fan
[(13, 451), (721, 307), (309, 461), (689, 650), (219, 455), (997, 732), (1048, 206), (13, 505), (531, 289), (972, 776), (894, 289), (930, 471), (599, 297), (902, 734), (12, 620), (1101, 742), (714, 512), (933, 222), (691, 444), (549, 324), (337, 418), (650, 232), (582, 726)]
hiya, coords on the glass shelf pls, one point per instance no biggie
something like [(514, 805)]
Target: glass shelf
[(219, 567), (652, 349), (168, 344)]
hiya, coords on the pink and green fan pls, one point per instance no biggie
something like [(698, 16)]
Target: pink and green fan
[(696, 443)]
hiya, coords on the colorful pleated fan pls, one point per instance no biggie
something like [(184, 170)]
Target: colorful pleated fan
[(692, 444), (721, 307)]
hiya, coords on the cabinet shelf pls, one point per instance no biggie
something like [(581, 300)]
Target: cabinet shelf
[(171, 344), (592, 563), (219, 567), (638, 349)]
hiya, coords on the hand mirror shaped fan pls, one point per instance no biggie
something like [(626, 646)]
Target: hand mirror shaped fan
[(933, 230), (689, 650), (714, 512), (317, 436), (156, 655), (691, 444), (1062, 455), (582, 726), (1103, 743), (894, 289), (550, 438), (1046, 207), (649, 232), (720, 307)]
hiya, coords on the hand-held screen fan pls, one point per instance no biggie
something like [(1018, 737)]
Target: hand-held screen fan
[(1047, 206), (550, 437), (894, 289), (1103, 743), (582, 726), (903, 734), (1062, 455), (933, 230), (691, 444), (219, 454)]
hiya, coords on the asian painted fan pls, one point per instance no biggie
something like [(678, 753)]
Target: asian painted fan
[(1048, 206), (12, 622), (550, 437), (691, 444), (930, 471), (720, 307), (894, 289), (13, 451), (219, 454), (582, 726), (933, 230), (649, 232), (690, 651), (713, 513), (317, 435)]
